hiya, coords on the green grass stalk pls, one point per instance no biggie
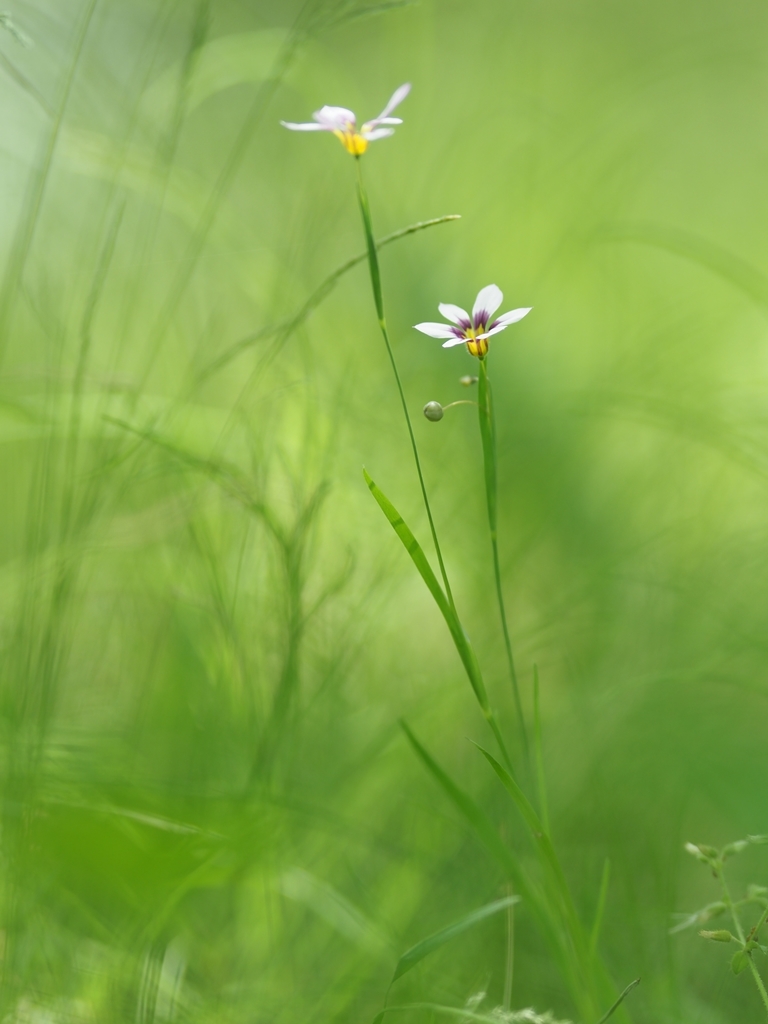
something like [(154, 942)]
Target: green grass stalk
[(541, 781)]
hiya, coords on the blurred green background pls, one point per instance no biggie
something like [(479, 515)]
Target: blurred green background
[(208, 632)]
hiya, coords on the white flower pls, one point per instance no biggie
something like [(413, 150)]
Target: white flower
[(343, 124), (475, 330)]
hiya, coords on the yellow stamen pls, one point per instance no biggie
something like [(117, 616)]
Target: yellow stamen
[(477, 346), (354, 143)]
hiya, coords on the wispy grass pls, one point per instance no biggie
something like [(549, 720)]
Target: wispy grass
[(208, 811)]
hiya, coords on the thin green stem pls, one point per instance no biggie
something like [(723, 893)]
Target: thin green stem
[(539, 752), (488, 437), (373, 265), (740, 934), (761, 921), (461, 401), (510, 964)]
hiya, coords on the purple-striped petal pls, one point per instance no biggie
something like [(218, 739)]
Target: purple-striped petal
[(493, 330), (455, 341), (487, 302), (455, 314), (437, 330), (498, 326), (512, 316)]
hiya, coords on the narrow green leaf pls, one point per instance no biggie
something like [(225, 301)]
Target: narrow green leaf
[(480, 824), (619, 1001), (421, 562), (422, 949), (373, 259)]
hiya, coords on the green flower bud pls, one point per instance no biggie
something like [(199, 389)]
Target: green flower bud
[(694, 851), (739, 961), (706, 854), (722, 935), (738, 847), (712, 910), (433, 411)]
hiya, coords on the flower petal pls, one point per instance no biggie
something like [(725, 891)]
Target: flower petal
[(334, 117), (455, 314), (502, 325), (395, 100), (513, 316), (437, 330), (455, 341), (378, 133), (311, 126), (487, 302), (493, 330)]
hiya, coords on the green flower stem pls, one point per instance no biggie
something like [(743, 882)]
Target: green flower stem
[(488, 437), (740, 933), (762, 920), (373, 265)]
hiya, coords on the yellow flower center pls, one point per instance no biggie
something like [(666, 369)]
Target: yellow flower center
[(352, 141), (476, 346)]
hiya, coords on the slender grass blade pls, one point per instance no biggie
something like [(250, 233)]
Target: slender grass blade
[(422, 949), (421, 562)]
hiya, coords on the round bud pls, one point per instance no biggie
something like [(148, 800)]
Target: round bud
[(467, 381), (433, 411)]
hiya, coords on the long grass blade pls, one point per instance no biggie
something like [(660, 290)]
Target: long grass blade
[(422, 949), (600, 909), (504, 857), (548, 856), (541, 782), (619, 1001), (286, 327), (27, 224)]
